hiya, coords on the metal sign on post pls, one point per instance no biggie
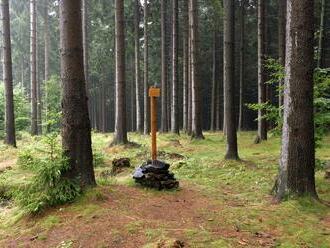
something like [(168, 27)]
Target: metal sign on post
[(154, 92)]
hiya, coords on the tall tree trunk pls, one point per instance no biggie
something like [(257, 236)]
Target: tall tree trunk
[(218, 106), (321, 36), (215, 82), (133, 99), (76, 131), (85, 23), (168, 35), (10, 137), (46, 40), (297, 162), (164, 123), (196, 127), (139, 114), (85, 30), (219, 109), (281, 44), (39, 95), (146, 112), (33, 67), (46, 57), (185, 64), (189, 124), (242, 65), (229, 83), (262, 89), (175, 103), (103, 102), (120, 125)]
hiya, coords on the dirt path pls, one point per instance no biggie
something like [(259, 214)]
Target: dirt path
[(128, 217)]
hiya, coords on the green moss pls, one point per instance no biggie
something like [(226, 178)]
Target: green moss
[(134, 227), (50, 221), (152, 234)]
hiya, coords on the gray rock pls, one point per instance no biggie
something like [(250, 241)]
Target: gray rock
[(155, 174)]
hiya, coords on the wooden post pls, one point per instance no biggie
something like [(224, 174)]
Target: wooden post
[(153, 94)]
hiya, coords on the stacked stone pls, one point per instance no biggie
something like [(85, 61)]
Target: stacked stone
[(155, 174)]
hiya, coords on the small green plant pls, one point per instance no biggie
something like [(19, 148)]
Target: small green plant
[(26, 160), (98, 159), (49, 186)]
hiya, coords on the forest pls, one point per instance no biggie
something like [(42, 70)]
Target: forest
[(165, 123)]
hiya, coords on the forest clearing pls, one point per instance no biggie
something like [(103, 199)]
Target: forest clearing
[(219, 203), (165, 123)]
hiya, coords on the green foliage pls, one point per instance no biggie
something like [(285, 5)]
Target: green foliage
[(49, 186), (22, 109), (26, 160), (21, 106), (276, 71), (4, 192), (98, 158), (322, 103), (272, 114), (321, 100), (52, 106)]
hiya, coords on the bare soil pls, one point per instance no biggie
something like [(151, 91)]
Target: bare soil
[(128, 217)]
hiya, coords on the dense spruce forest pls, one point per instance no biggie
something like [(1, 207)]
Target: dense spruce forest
[(165, 123)]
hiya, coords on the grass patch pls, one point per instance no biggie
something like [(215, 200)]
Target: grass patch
[(239, 188)]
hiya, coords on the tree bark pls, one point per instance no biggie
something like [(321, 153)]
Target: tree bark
[(39, 95), (175, 107), (297, 162), (133, 98), (76, 131), (168, 35), (242, 65), (185, 64), (281, 45), (139, 114), (33, 67), (262, 89), (120, 124), (46, 57), (229, 83), (164, 123), (215, 79), (146, 72), (321, 36), (189, 124), (196, 99), (10, 138), (85, 21), (46, 40)]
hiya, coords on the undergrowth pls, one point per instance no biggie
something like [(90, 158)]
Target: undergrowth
[(48, 185)]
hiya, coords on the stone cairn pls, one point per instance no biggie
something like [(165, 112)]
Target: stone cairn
[(155, 174)]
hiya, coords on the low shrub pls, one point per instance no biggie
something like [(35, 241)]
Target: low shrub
[(27, 161), (98, 159), (49, 187)]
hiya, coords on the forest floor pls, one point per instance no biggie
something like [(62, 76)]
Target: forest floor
[(219, 203)]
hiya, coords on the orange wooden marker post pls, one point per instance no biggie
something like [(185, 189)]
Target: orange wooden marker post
[(153, 94)]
